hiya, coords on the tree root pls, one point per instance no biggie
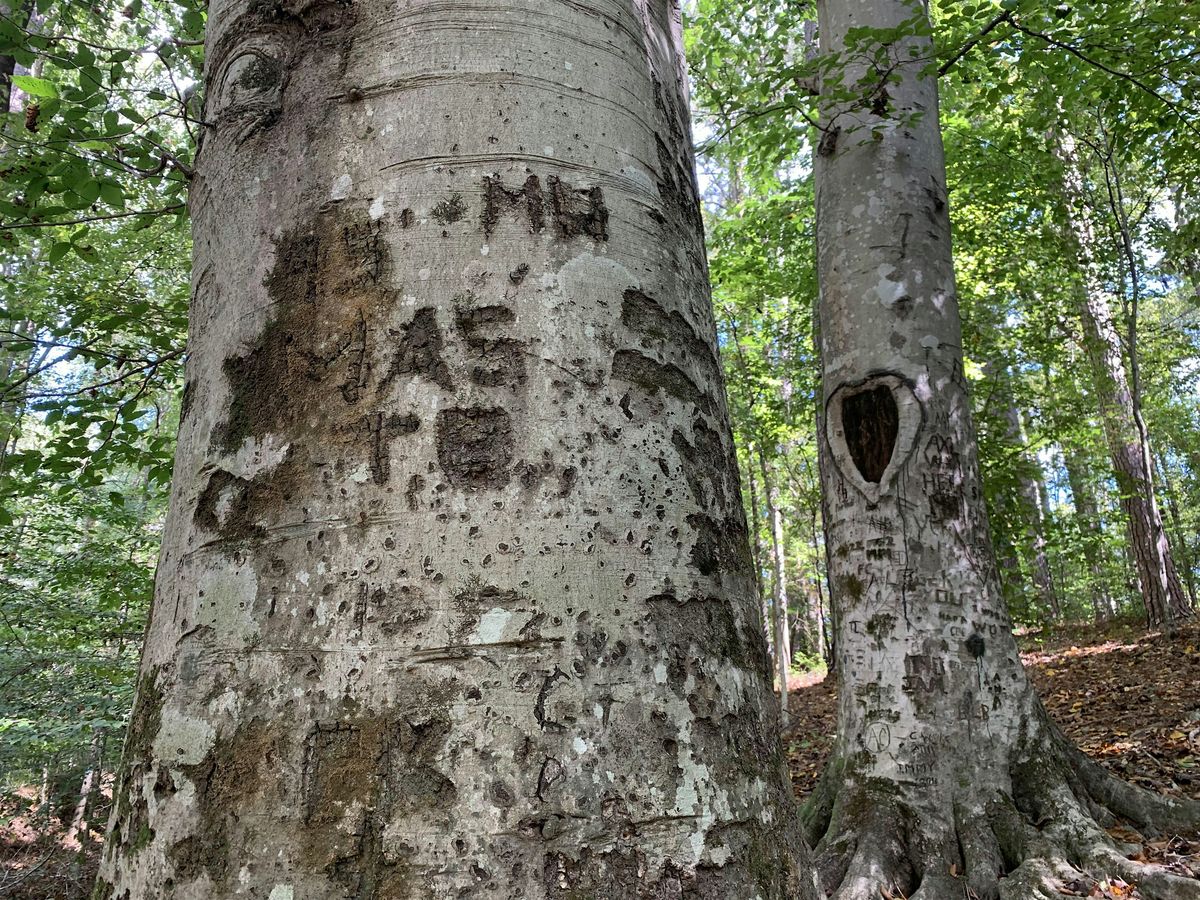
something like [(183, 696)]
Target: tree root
[(1028, 840)]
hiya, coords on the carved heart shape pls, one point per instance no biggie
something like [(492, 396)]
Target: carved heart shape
[(872, 426)]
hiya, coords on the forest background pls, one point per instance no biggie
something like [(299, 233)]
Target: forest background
[(96, 145)]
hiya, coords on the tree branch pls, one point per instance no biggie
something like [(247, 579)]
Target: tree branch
[(7, 226), (962, 51), (1095, 63)]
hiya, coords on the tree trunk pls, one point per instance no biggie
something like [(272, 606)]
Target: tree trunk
[(455, 593), (820, 621), (1033, 489), (779, 596), (1087, 517), (77, 832), (756, 549), (1128, 443), (1033, 504), (1181, 542), (944, 758), (43, 805)]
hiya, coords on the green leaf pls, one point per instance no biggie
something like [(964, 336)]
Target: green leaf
[(35, 87), (112, 194), (89, 190), (90, 79), (87, 253), (84, 57), (57, 252)]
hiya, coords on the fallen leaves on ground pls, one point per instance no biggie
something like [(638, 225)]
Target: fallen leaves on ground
[(1130, 700), (36, 863)]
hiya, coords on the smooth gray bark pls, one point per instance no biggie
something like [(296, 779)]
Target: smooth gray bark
[(455, 594)]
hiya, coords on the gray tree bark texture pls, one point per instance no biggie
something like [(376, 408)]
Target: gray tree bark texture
[(455, 596), (947, 776), (1128, 443)]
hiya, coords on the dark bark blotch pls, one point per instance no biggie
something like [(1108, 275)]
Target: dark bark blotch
[(450, 210), (322, 279), (475, 447), (721, 546), (651, 376), (496, 361)]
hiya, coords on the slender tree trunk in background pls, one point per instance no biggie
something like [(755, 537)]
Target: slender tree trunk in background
[(1087, 519), (1128, 444), (1012, 579), (77, 833), (1033, 504), (808, 625), (44, 795), (822, 625), (779, 597), (1046, 523), (1181, 543), (1033, 489), (944, 758), (764, 601), (455, 594), (1009, 523), (12, 364)]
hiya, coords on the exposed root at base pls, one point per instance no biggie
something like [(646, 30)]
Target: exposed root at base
[(879, 839)]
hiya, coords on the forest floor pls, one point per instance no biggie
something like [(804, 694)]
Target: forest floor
[(1130, 700)]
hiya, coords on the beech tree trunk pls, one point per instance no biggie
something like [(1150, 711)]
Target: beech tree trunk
[(1128, 443), (455, 596), (1033, 489), (779, 595), (17, 12), (1181, 549), (945, 759), (756, 552), (77, 831)]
